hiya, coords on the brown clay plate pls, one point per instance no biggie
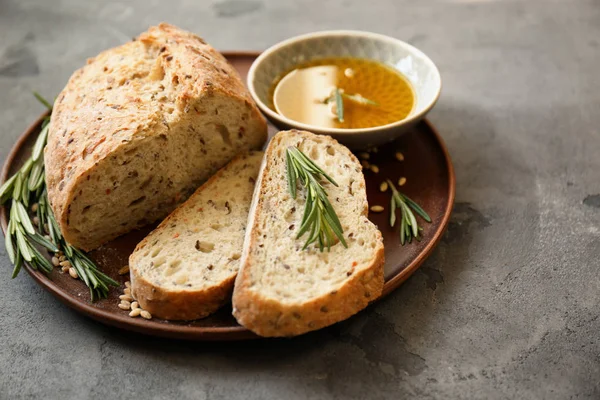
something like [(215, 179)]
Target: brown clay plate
[(429, 181)]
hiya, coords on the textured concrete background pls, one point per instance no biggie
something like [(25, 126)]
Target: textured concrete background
[(507, 307)]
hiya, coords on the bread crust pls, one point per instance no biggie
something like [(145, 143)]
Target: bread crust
[(179, 304), (103, 109), (272, 318)]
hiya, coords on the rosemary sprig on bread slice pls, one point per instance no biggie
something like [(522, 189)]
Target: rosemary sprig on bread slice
[(285, 289)]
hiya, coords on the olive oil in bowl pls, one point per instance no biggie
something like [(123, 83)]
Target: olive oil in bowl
[(343, 92)]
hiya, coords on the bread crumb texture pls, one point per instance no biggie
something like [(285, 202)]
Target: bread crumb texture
[(139, 128)]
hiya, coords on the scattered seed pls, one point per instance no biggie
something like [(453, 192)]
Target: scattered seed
[(73, 273), (365, 164), (374, 150), (36, 221), (377, 209), (124, 306), (374, 168), (127, 291), (124, 270), (62, 258), (126, 297), (145, 314), (126, 303), (65, 263), (135, 305), (383, 187), (135, 312), (65, 269), (364, 155), (47, 237), (127, 284), (55, 261), (34, 207), (399, 156), (401, 181)]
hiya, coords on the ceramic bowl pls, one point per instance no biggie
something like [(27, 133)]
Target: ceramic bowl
[(410, 61)]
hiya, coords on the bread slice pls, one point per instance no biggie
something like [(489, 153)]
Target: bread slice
[(283, 290), (139, 128), (186, 267)]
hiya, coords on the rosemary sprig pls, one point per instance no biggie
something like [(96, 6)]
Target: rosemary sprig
[(23, 241), (319, 218), (339, 95), (409, 227)]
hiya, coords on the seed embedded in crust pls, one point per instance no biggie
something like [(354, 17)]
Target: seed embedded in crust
[(401, 181), (135, 312), (374, 168), (73, 273), (124, 306), (383, 187), (364, 155), (399, 156), (377, 209), (124, 270), (145, 314)]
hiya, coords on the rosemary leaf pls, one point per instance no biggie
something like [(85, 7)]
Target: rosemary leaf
[(24, 217), (291, 175), (42, 241), (25, 193), (17, 187), (339, 103), (417, 208), (37, 172), (392, 210), (6, 189), (40, 143), (18, 264), (42, 100), (8, 243), (23, 246)]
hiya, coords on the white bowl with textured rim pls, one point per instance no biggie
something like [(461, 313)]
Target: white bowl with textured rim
[(419, 70)]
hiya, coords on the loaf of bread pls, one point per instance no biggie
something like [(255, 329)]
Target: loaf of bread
[(186, 267), (283, 290), (139, 128)]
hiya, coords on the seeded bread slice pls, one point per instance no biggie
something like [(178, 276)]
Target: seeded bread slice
[(282, 290), (139, 128), (185, 268)]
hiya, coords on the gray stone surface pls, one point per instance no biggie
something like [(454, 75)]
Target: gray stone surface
[(507, 307)]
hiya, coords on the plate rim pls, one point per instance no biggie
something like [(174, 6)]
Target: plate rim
[(210, 333)]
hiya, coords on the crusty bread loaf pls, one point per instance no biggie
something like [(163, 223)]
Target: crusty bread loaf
[(186, 267), (282, 290), (139, 128)]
